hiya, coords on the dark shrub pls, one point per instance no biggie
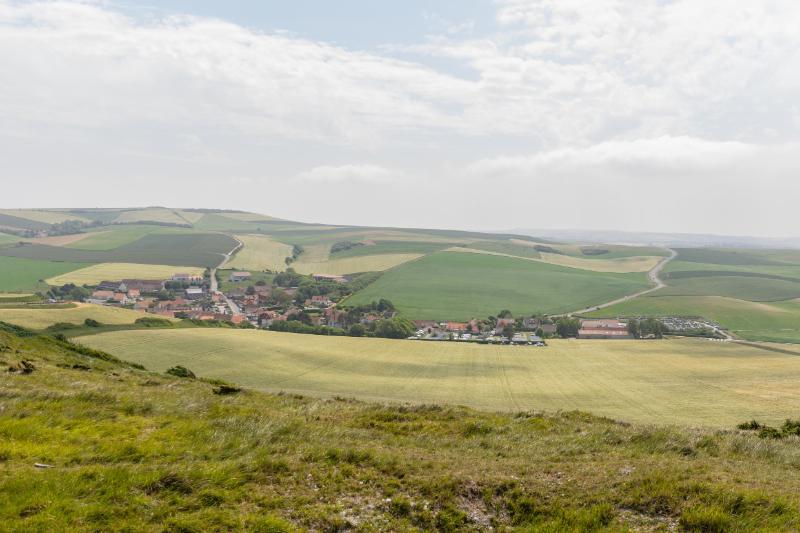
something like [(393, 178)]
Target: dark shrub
[(181, 372)]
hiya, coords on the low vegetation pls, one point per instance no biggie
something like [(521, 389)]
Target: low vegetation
[(90, 443), (693, 382)]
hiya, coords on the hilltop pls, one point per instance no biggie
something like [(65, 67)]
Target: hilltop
[(118, 447)]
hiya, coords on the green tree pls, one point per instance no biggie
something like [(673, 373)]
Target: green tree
[(357, 330)]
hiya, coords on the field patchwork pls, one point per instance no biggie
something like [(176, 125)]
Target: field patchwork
[(45, 217), (692, 382), (94, 274)]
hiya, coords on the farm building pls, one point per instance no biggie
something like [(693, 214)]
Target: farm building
[(194, 293), (187, 278), (603, 333), (239, 276)]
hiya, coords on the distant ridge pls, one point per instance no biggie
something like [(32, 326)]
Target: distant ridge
[(679, 240)]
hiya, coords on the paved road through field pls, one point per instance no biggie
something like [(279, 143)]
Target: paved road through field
[(214, 286), (653, 275)]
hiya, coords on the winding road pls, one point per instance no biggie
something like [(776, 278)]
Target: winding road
[(214, 286), (653, 275)]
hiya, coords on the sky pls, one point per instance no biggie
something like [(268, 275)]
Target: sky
[(638, 115)]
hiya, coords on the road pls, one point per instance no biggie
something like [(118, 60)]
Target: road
[(214, 286), (654, 277)]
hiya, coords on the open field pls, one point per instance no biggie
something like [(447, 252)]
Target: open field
[(111, 237), (744, 287), (45, 217), (195, 249), (40, 318), (6, 239), (458, 286), (92, 275), (350, 265), (261, 253), (693, 382), (122, 440), (168, 216), (773, 321), (27, 274), (391, 247), (622, 265)]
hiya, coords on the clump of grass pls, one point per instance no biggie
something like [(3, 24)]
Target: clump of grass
[(181, 372)]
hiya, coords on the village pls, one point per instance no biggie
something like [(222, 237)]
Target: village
[(316, 304)]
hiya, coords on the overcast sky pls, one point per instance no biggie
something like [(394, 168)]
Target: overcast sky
[(645, 115)]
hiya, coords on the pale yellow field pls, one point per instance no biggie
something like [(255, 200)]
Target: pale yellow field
[(152, 215), (64, 240), (41, 318), (47, 217), (694, 382), (15, 294), (94, 274), (618, 266), (191, 216), (260, 253), (350, 265), (246, 217)]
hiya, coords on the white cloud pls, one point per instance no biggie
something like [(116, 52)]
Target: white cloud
[(643, 94), (348, 173)]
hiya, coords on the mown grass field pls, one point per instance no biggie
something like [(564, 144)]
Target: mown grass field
[(760, 321), (40, 317), (261, 253), (138, 451), (458, 286), (693, 382), (28, 274), (94, 274)]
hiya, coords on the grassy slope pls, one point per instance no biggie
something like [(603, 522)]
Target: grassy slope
[(8, 239), (111, 237), (24, 274), (756, 289), (689, 382), (391, 247), (139, 451), (452, 285), (774, 321)]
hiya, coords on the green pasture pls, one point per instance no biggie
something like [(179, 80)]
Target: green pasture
[(459, 286), (17, 274)]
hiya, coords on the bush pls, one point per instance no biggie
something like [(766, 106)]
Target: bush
[(750, 426), (181, 372), (92, 323), (152, 322), (356, 330)]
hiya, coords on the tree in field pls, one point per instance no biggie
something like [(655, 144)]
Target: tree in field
[(633, 328), (568, 327), (505, 313)]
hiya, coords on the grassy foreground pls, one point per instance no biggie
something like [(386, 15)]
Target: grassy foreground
[(137, 451), (692, 382)]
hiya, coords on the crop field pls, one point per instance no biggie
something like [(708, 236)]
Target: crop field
[(261, 253), (35, 317), (622, 265), (27, 275), (751, 287), (45, 217), (195, 249), (689, 382), (112, 237), (168, 216), (391, 247), (459, 286), (761, 321), (6, 238), (94, 274), (350, 265)]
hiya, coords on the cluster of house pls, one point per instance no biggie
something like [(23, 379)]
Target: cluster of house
[(483, 332)]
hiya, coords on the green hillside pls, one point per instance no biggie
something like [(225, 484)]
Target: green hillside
[(128, 450), (459, 286)]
